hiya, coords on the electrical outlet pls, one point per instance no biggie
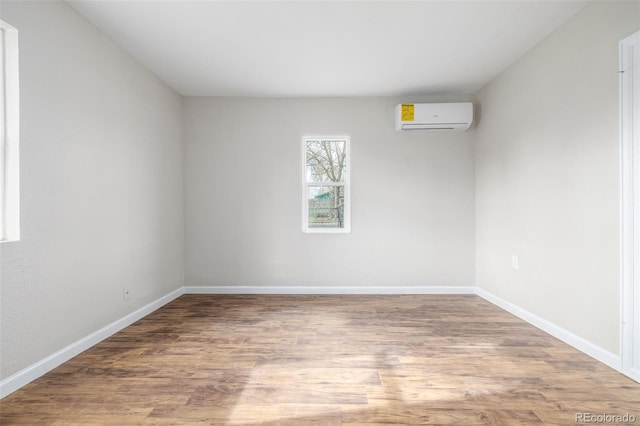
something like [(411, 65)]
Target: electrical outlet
[(126, 293), (515, 262)]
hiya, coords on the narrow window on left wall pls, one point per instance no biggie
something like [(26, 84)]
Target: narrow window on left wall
[(9, 135)]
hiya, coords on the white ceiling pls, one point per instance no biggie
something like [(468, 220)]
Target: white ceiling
[(326, 48)]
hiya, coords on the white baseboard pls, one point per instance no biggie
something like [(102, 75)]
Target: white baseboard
[(196, 289), (29, 374), (632, 374), (560, 333)]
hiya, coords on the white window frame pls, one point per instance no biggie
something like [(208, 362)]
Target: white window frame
[(346, 183), (9, 135)]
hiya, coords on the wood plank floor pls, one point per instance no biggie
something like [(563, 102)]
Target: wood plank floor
[(325, 360)]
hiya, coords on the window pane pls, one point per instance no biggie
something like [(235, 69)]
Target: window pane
[(9, 134), (326, 206), (326, 160)]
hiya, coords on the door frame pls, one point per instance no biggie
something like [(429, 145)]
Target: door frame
[(630, 208)]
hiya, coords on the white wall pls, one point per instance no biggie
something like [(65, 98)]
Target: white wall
[(412, 197), (101, 184), (547, 188)]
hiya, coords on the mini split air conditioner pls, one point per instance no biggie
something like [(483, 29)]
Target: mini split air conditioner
[(442, 116)]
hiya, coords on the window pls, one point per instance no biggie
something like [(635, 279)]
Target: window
[(325, 189), (9, 156)]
